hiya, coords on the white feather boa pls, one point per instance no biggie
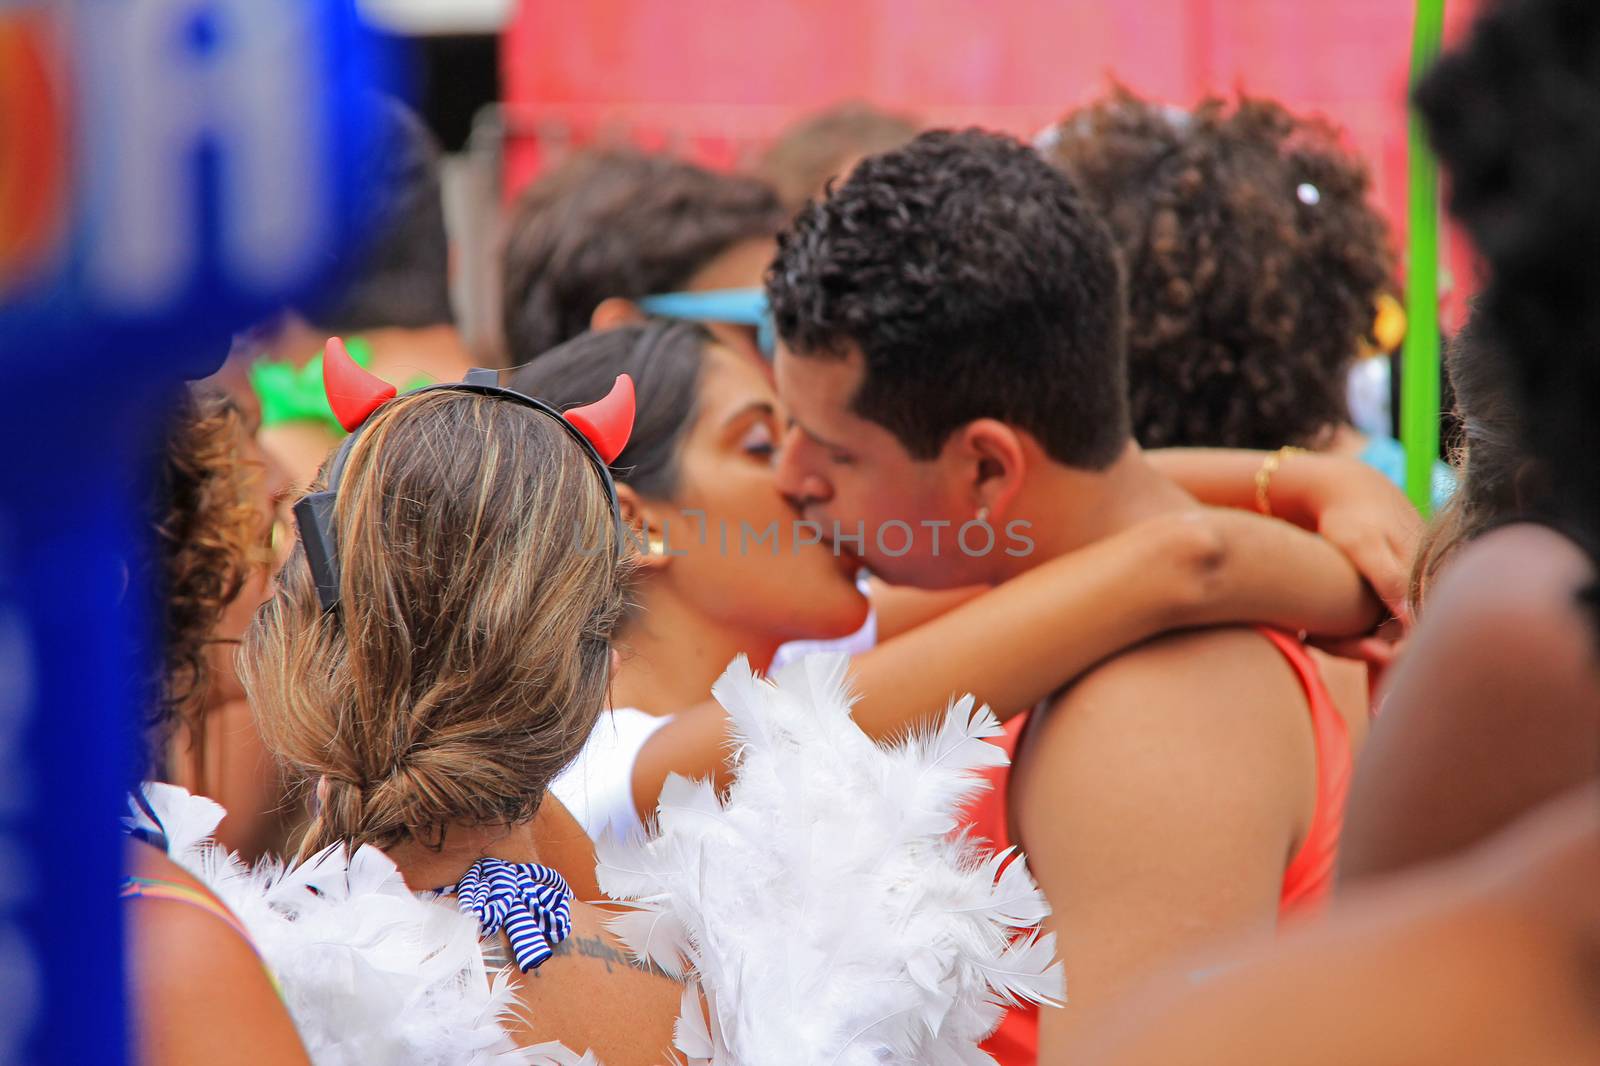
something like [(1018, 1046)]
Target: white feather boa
[(825, 909), (371, 975)]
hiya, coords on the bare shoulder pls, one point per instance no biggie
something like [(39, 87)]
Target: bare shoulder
[(1203, 710), (1201, 686), (200, 992), (1491, 711), (592, 996), (193, 938), (1504, 613), (1517, 588)]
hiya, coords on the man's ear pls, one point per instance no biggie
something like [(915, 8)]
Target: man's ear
[(615, 311), (644, 529), (993, 461)]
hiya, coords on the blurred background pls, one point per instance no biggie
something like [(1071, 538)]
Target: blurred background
[(512, 87)]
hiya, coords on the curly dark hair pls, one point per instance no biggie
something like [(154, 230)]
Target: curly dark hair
[(1253, 261), (206, 537), (1514, 114), (618, 223), (1515, 117), (977, 283)]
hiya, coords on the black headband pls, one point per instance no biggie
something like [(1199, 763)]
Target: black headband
[(314, 514)]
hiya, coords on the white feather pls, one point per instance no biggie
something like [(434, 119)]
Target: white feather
[(691, 1033), (823, 907), (370, 973)]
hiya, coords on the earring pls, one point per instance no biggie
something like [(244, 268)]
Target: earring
[(982, 516), (656, 545)]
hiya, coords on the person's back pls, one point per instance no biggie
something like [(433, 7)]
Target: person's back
[(953, 330), (590, 994), (439, 648), (1171, 802)]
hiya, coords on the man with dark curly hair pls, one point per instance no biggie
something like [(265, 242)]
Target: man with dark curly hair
[(1254, 262), (952, 325)]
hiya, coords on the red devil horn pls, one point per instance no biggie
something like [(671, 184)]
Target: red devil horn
[(352, 392), (608, 422)]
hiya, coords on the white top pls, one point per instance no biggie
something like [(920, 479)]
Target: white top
[(598, 787)]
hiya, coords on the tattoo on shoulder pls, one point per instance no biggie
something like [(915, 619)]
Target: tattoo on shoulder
[(597, 947)]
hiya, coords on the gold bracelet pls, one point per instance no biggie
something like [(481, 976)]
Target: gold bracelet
[(1269, 466)]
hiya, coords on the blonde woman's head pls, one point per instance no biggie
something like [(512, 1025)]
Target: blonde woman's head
[(468, 656)]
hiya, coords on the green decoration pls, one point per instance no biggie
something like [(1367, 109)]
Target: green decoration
[(1419, 387)]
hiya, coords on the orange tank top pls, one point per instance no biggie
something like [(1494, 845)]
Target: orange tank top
[(1307, 880)]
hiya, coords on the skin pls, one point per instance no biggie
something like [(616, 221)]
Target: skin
[(1159, 798), (567, 850), (1494, 711), (1484, 959), (1159, 801), (1010, 646), (1347, 502), (199, 993), (589, 996)]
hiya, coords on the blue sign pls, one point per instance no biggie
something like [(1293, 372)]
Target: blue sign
[(173, 170)]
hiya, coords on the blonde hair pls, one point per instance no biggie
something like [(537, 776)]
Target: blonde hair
[(469, 655)]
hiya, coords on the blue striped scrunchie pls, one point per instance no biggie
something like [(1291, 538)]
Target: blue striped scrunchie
[(529, 901)]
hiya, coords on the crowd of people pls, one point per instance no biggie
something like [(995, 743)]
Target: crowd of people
[(1272, 771)]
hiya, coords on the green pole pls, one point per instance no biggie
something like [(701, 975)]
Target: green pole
[(1419, 386)]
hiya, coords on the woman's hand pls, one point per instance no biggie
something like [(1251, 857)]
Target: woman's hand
[(1354, 507), (1359, 511)]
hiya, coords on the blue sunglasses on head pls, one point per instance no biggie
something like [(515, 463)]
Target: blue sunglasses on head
[(741, 307)]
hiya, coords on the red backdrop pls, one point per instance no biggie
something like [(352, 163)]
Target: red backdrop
[(715, 79)]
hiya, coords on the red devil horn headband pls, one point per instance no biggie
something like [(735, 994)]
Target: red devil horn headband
[(354, 394), (608, 422)]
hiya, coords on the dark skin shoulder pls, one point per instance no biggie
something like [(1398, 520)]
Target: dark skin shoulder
[(1494, 710), (1482, 959)]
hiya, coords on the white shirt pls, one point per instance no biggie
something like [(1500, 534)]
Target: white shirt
[(598, 787)]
